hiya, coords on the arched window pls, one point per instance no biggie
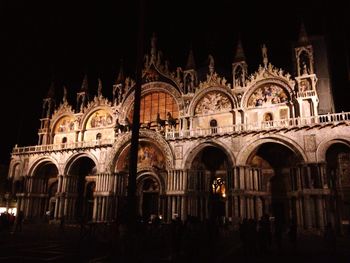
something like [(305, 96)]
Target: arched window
[(154, 103), (213, 125), (268, 119), (98, 136), (64, 140)]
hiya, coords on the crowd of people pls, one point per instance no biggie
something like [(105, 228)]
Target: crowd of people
[(10, 221)]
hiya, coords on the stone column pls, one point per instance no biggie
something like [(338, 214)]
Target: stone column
[(307, 212), (300, 218), (320, 211), (236, 206), (242, 185), (259, 207), (235, 178), (243, 207)]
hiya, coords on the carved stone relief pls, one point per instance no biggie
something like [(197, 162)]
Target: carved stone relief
[(310, 143), (178, 152), (213, 102), (267, 95)]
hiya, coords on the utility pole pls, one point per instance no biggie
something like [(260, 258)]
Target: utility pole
[(131, 192)]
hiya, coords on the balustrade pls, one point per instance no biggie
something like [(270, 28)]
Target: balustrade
[(325, 119)]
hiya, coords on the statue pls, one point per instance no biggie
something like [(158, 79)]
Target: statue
[(99, 89), (171, 121), (264, 55), (160, 122), (64, 94), (211, 64)]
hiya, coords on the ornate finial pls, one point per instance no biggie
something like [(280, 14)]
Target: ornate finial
[(99, 89), (264, 55), (303, 37), (239, 56), (64, 99), (121, 77), (84, 85), (211, 64), (153, 48), (190, 61), (51, 92)]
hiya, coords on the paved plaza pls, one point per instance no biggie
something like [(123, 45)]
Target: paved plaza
[(100, 243)]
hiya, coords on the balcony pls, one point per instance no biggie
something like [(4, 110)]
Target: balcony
[(62, 146), (313, 121), (291, 123)]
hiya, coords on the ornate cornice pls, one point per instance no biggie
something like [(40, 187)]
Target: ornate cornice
[(269, 72), (214, 80)]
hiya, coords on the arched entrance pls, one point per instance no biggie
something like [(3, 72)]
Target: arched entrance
[(52, 200), (82, 183), (274, 162), (43, 190), (151, 166), (338, 174), (207, 184), (148, 193)]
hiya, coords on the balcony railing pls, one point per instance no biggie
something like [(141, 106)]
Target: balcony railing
[(266, 125), (202, 132), (62, 146)]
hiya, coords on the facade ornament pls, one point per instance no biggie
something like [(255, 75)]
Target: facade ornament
[(153, 49), (214, 80), (264, 55), (269, 72), (99, 89), (64, 99), (211, 64)]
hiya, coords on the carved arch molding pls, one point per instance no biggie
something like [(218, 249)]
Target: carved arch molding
[(124, 141)]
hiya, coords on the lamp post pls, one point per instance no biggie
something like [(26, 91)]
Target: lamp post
[(131, 193)]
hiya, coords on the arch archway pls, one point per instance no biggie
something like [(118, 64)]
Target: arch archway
[(148, 192), (338, 175), (80, 182), (208, 175), (273, 162), (43, 184)]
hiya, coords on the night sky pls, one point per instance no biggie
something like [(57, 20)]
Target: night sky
[(61, 41)]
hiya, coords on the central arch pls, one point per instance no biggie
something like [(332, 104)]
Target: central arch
[(80, 178), (274, 162), (209, 169), (149, 193), (246, 151)]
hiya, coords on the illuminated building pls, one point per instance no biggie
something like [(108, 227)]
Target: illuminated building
[(209, 147)]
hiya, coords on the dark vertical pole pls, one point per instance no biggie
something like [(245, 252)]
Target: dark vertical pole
[(131, 197)]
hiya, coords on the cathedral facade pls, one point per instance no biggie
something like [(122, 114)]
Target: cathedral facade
[(208, 148)]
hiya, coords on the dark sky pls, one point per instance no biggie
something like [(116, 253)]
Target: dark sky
[(60, 41)]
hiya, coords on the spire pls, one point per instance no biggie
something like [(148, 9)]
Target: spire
[(84, 85), (303, 37), (264, 55), (191, 64), (99, 88), (64, 98), (120, 77), (239, 56), (51, 91), (211, 64), (153, 48)]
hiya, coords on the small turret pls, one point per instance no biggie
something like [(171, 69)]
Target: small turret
[(118, 87), (48, 108), (239, 67), (49, 102), (83, 95), (190, 74), (306, 79)]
